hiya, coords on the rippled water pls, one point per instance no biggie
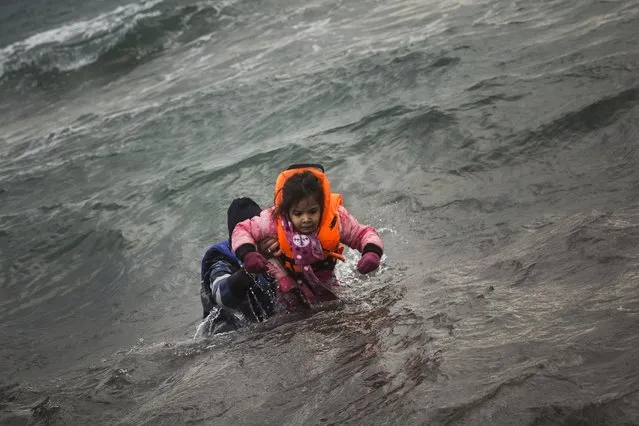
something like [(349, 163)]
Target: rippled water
[(493, 144)]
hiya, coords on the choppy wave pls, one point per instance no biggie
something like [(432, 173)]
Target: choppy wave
[(497, 159), (119, 39)]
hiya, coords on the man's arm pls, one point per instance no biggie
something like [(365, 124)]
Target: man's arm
[(227, 284)]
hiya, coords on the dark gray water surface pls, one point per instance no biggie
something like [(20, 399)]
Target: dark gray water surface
[(492, 144)]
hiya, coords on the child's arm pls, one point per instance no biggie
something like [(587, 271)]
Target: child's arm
[(357, 236), (246, 234)]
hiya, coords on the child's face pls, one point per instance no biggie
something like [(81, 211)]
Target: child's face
[(305, 215)]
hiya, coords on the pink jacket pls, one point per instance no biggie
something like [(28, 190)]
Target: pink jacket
[(351, 232)]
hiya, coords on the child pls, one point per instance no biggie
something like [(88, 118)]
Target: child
[(310, 224)]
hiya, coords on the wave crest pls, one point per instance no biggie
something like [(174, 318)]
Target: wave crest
[(118, 39)]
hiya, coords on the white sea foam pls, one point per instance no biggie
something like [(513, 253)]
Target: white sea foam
[(75, 44)]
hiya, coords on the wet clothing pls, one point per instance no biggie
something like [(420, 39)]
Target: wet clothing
[(227, 286), (351, 232)]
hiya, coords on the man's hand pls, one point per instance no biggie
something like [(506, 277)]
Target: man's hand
[(269, 247)]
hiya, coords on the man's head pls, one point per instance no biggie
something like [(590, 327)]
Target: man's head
[(240, 210)]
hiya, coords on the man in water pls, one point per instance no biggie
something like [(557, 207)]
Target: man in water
[(227, 286)]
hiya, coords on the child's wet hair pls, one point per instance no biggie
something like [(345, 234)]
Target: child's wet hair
[(299, 186)]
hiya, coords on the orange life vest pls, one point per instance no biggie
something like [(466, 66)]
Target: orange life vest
[(328, 232)]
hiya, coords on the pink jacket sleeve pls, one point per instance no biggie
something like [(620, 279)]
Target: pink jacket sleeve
[(354, 234), (255, 229)]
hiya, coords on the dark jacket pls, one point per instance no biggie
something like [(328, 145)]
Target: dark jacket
[(226, 285)]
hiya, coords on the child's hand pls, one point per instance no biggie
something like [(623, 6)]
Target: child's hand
[(368, 263), (255, 263)]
